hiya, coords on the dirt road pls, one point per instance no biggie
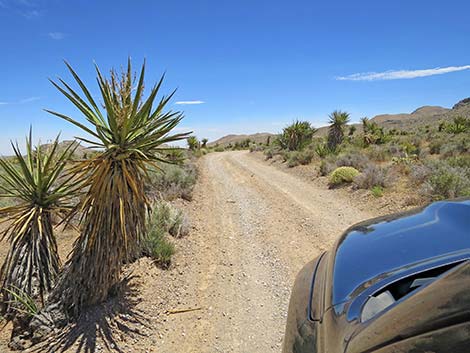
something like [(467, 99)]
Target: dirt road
[(253, 227), (256, 226)]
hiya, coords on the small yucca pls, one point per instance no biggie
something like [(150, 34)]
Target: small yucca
[(41, 193)]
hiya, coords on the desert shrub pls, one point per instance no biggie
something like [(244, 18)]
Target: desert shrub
[(353, 159), (300, 158), (175, 155), (371, 176), (458, 125), (418, 173), (268, 153), (455, 146), (326, 167), (445, 181), (410, 148), (322, 150), (377, 191), (168, 218), (343, 175), (165, 220), (405, 160), (462, 161), (378, 153), (173, 181), (435, 146), (219, 149), (157, 246)]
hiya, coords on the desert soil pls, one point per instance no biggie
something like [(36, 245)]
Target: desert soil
[(253, 228)]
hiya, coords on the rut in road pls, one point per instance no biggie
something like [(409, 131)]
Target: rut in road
[(256, 226)]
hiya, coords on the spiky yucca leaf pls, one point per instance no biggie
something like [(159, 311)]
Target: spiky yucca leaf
[(37, 183), (129, 134)]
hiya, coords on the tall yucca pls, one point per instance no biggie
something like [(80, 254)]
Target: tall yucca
[(41, 192), (338, 121), (128, 131)]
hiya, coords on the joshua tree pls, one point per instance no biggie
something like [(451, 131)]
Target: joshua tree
[(204, 142), (193, 143), (295, 136), (338, 121), (373, 134), (352, 130), (41, 192), (129, 134)]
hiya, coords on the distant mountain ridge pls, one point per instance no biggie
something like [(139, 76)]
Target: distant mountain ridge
[(260, 137), (425, 115)]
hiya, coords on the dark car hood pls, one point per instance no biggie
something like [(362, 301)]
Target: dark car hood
[(373, 250)]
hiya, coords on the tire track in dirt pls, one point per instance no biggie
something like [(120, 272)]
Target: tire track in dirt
[(255, 227)]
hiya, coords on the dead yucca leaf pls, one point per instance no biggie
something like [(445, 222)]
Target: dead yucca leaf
[(129, 134), (41, 190)]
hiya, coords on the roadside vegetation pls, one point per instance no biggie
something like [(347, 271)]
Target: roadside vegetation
[(429, 162), (117, 193)]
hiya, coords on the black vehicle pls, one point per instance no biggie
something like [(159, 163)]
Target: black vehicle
[(393, 284)]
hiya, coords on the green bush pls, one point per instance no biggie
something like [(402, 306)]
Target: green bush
[(462, 161), (377, 191), (164, 221), (157, 246), (446, 182), (322, 150), (299, 158), (343, 175)]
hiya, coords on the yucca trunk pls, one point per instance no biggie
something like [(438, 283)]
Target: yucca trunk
[(113, 220), (32, 263)]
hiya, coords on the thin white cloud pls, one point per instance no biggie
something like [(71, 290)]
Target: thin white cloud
[(401, 74), (189, 102), (22, 101), (29, 100), (56, 35)]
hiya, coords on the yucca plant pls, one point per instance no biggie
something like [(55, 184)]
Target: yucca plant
[(41, 192), (338, 121), (130, 134), (193, 143), (296, 136)]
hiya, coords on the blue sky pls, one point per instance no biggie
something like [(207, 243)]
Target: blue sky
[(252, 65)]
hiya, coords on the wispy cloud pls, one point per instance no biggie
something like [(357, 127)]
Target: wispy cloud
[(22, 101), (401, 74), (28, 100), (189, 102), (26, 8), (57, 35)]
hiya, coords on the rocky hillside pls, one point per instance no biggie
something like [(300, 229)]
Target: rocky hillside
[(80, 151), (427, 115), (232, 139)]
